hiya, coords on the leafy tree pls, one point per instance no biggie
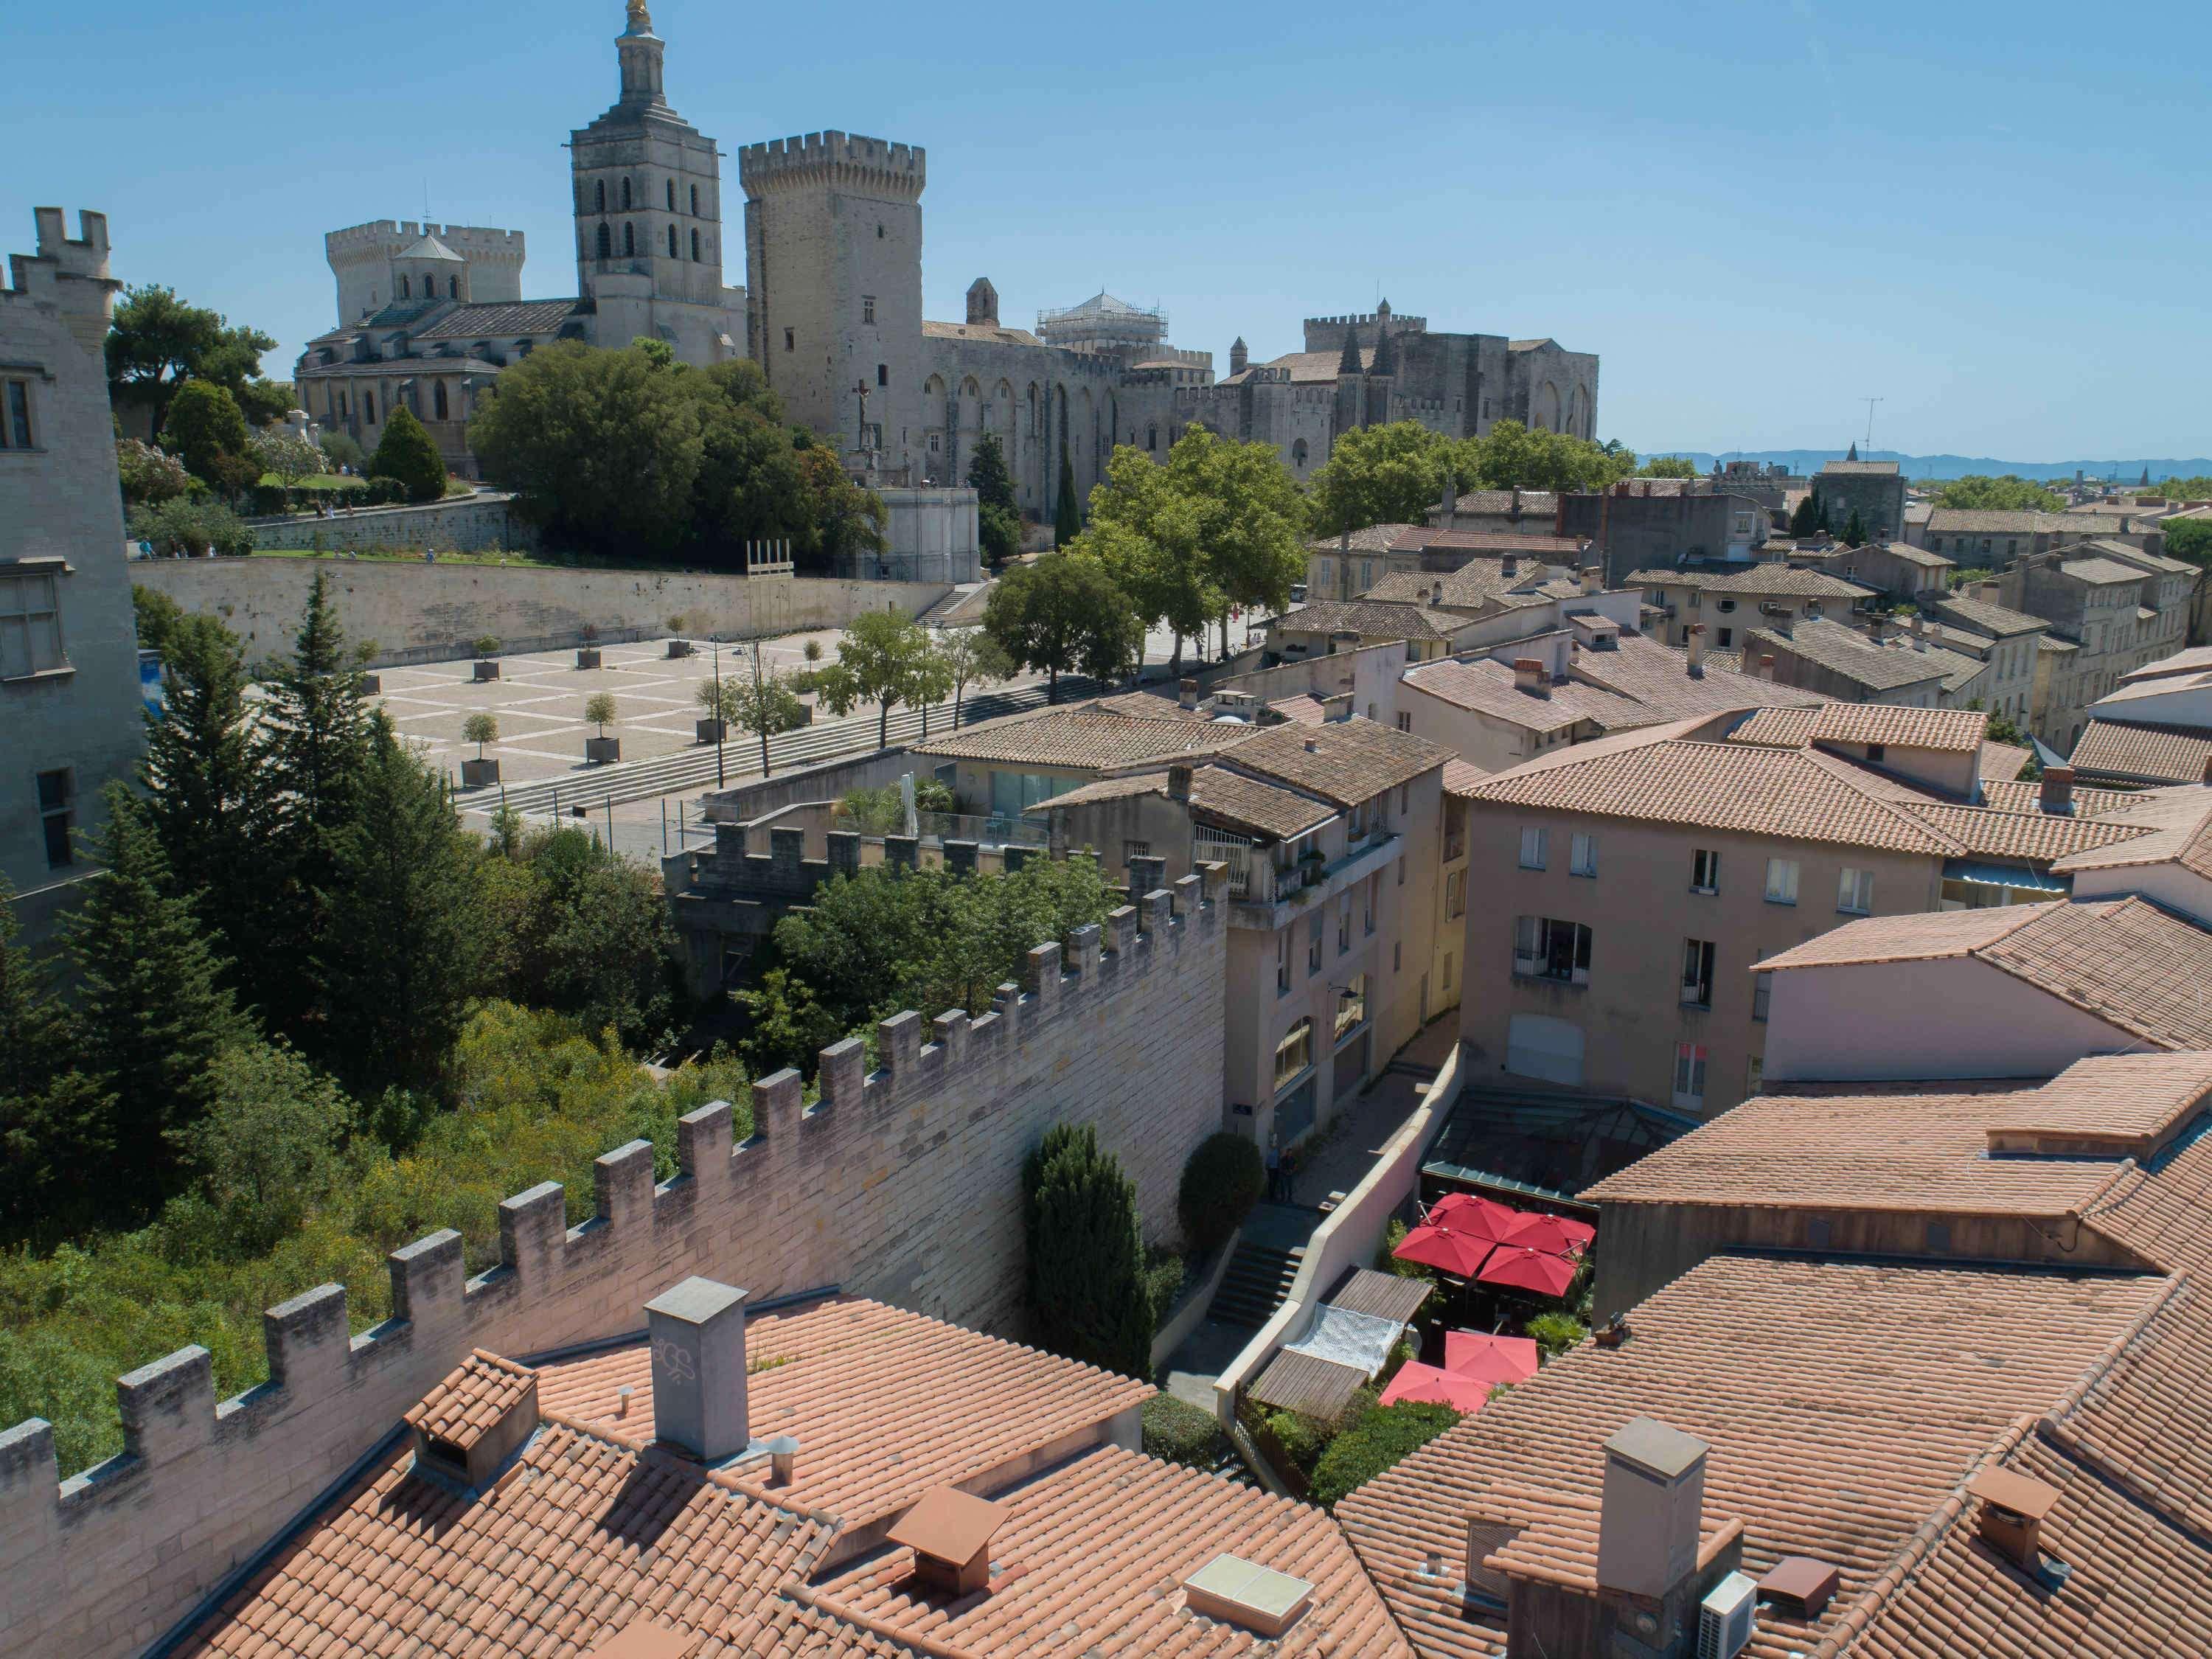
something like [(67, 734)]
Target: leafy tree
[(207, 432), (341, 451), (189, 528), (789, 1024), (268, 1148), (288, 457), (156, 616), (1145, 531), (750, 484), (2003, 728), (156, 342), (988, 478), (599, 710), (844, 520), (2008, 493), (592, 938), (56, 1126), (997, 534), (1086, 1260), (2189, 540), (1510, 456), (971, 658), (149, 477), (1067, 511), (884, 658), (2197, 489), (766, 707), (1251, 520), (1669, 467), (1065, 613), (1854, 530), (480, 728), (408, 454), (1390, 474)]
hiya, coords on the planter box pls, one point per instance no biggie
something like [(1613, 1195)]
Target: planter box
[(714, 730), (679, 647), (478, 774), (371, 685), (599, 750), (487, 670), (588, 656)]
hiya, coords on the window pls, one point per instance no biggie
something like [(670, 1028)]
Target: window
[(1535, 847), (1294, 1053), (1689, 1074), (58, 816), (789, 341), (1447, 970), (1153, 443), (671, 195), (1283, 963), (1782, 881), (452, 288), (606, 243), (625, 196), (882, 373), (1583, 858), (1855, 893), (368, 407), (1705, 870), (1456, 895), (1545, 948), (867, 307), (1135, 849), (1754, 1076), (403, 288), (1762, 995), (16, 420), (1696, 973), (602, 196), (1405, 722), (1398, 958), (1877, 753), (1351, 1004), (1727, 638), (671, 244), (629, 238), (30, 627), (695, 248), (1367, 905), (1344, 925), (438, 400), (695, 201), (1313, 945)]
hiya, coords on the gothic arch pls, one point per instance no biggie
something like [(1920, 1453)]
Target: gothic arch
[(629, 240), (438, 400), (606, 243), (625, 196), (1577, 413), (1544, 408), (934, 386), (1298, 453)]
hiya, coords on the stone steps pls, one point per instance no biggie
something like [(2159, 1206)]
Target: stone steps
[(1258, 1281)]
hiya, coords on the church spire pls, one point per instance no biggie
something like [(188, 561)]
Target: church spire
[(641, 50), (1854, 455), (1349, 363)]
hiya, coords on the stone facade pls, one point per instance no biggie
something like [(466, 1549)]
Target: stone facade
[(901, 1185), (69, 647), (1874, 489), (1656, 531)]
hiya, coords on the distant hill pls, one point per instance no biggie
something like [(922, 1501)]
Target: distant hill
[(1955, 466)]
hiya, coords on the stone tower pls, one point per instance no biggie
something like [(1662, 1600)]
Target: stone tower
[(833, 264), (1351, 384), (1239, 355), (982, 304), (1382, 370)]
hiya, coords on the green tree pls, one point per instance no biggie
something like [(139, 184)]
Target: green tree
[(480, 728), (844, 521), (1221, 1182), (207, 432), (288, 457), (1390, 474), (1854, 530), (884, 658), (156, 616), (600, 710), (988, 478), (2008, 493), (594, 941), (1064, 613), (2196, 489), (268, 1148), (1067, 511), (156, 342), (1380, 1439), (149, 477), (341, 451), (750, 485), (766, 707), (190, 528), (57, 1125), (1087, 1299), (1805, 520), (408, 454), (1144, 531), (1669, 467), (972, 659), (1511, 456), (1251, 520)]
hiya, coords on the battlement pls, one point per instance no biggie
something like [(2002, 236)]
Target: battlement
[(381, 238), (1326, 333), (1116, 1025), (69, 275), (833, 158)]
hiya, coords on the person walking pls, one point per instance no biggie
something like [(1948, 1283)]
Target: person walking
[(1275, 1170)]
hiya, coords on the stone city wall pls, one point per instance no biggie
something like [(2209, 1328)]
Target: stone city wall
[(415, 610), (902, 1185)]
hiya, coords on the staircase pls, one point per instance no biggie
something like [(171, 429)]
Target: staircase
[(1258, 1281), (1230, 1466)]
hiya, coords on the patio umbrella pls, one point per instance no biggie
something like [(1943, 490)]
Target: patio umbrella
[(1436, 1387), (1490, 1358), (1445, 1248), (1478, 1218), (1521, 1268), (1550, 1233)]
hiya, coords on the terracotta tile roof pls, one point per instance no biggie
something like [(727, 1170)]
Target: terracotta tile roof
[(1951, 730), (1461, 775), (2170, 826), (1992, 521), (1478, 586), (1497, 503), (2125, 961), (1370, 618), (1903, 551), (502, 320), (2133, 1098), (2020, 796), (1555, 549), (2143, 754), (1842, 1403), (1765, 579), (2135, 558), (2114, 704), (1658, 675), (1487, 687), (483, 1390), (1861, 468), (2003, 762), (1102, 734), (885, 1404), (1305, 708), (2035, 835), (1792, 794), (1777, 728), (1857, 658), (1375, 538), (1217, 795), (1092, 1560), (1345, 762)]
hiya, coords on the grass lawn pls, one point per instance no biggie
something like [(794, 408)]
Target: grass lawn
[(317, 481)]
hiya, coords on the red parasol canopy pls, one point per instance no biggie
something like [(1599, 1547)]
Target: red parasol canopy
[(1550, 1233), (1520, 1267), (1445, 1248), (1478, 1218), (1490, 1358), (1415, 1381)]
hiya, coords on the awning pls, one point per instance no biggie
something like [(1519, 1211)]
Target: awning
[(2005, 875)]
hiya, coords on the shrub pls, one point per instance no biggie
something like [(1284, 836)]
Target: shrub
[(931, 796), (341, 450), (1176, 1431), (384, 492), (484, 644), (1220, 1184), (999, 533), (148, 476), (408, 454), (1303, 1439), (188, 527), (1164, 1274), (1380, 1438), (1555, 1332)]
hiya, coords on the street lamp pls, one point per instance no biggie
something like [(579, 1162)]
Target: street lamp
[(720, 724)]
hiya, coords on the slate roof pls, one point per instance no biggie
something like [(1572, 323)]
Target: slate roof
[(501, 320), (2143, 754), (1345, 762), (1103, 732)]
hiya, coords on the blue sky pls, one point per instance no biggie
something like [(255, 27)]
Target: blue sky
[(1758, 214)]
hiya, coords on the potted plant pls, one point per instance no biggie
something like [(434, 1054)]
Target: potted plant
[(480, 729), (599, 710), (483, 645), (720, 699), (371, 685), (587, 654), (678, 647)]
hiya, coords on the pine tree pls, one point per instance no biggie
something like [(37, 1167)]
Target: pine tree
[(409, 453), (203, 793), (1086, 1284), (1067, 512), (988, 476), (152, 1010), (56, 1124), (1854, 530)]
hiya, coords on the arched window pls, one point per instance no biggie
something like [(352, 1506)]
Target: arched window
[(606, 243), (1152, 438), (695, 201), (429, 284), (603, 196), (672, 241), (695, 248), (438, 400), (625, 196), (1299, 455), (452, 288), (403, 287), (629, 240), (671, 196), (368, 407)]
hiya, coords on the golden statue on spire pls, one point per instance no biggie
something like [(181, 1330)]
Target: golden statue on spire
[(641, 20)]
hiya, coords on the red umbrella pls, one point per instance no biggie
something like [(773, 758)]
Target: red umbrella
[(1478, 1218), (1415, 1381), (1490, 1358), (1550, 1233), (1524, 1269), (1444, 1249)]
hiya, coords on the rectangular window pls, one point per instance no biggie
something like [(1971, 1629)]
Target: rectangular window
[(1294, 1053), (1727, 638), (882, 373), (1689, 1074), (1313, 946), (1344, 925), (1455, 894), (1705, 870), (1754, 1076), (1583, 858), (58, 816), (1535, 849), (1398, 956), (1762, 993), (1135, 849), (30, 625), (1352, 1004), (16, 427), (1545, 948), (1696, 973), (1447, 970), (1782, 881), (867, 307), (1855, 893), (1283, 963), (1367, 904), (790, 340), (1405, 722)]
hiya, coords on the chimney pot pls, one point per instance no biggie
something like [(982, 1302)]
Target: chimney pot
[(698, 1334), (1435, 593), (782, 1460), (1766, 666), (1187, 693), (2013, 1509), (1179, 783), (2058, 789), (1312, 747), (1696, 644), (1593, 579)]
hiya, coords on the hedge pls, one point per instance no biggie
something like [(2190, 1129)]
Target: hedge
[(1378, 1441), (1178, 1433)]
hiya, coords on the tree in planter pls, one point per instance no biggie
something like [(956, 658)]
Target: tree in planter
[(480, 729), (599, 710), (484, 644), (408, 454), (1087, 1297)]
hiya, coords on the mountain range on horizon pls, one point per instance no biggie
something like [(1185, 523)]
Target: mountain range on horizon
[(1956, 466)]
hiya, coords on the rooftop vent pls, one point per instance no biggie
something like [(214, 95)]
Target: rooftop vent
[(1800, 1586), (1247, 1595), (782, 1460), (476, 1419), (698, 1333), (950, 1534), (1724, 1617), (2013, 1509)]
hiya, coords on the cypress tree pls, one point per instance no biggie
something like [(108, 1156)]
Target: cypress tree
[(1086, 1286), (1854, 530), (988, 476), (1067, 514), (1806, 520), (409, 453)]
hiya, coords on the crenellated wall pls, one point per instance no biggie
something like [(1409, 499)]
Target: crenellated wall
[(902, 1184)]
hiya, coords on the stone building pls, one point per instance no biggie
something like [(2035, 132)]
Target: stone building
[(1874, 489), (69, 720)]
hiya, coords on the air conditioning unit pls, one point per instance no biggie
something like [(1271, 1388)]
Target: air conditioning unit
[(1724, 1617)]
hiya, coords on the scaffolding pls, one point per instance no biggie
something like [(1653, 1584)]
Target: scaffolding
[(1105, 325)]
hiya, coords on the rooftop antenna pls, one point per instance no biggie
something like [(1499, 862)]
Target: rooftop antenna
[(1870, 403)]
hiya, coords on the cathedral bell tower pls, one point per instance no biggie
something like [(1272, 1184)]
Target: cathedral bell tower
[(642, 52)]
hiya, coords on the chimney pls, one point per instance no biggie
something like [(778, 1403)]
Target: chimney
[(1516, 511), (2012, 1511), (1435, 593), (1179, 783), (1187, 693), (950, 1534), (1989, 594), (1312, 746), (1919, 632), (1510, 565), (1766, 666), (1654, 1496), (782, 1460), (1593, 579), (2058, 788), (698, 1334), (1528, 675), (1696, 642), (1448, 509), (2208, 768)]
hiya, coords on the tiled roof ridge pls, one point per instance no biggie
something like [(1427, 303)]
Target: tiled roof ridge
[(807, 1596), (1853, 775), (2130, 1339)]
